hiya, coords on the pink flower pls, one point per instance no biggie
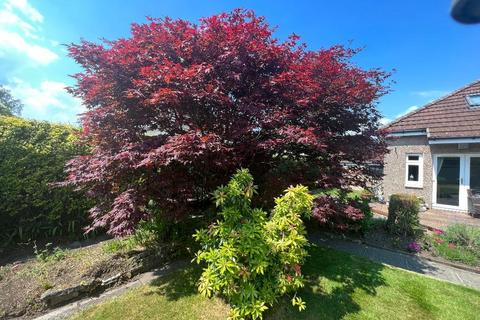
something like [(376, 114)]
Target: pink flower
[(435, 230), (414, 247), (451, 245)]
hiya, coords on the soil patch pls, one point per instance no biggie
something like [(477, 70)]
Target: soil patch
[(26, 283)]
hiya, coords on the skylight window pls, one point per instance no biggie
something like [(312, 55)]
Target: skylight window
[(474, 100)]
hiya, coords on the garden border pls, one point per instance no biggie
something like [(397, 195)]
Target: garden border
[(65, 311), (447, 263)]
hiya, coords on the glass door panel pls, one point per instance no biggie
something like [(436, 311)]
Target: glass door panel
[(475, 173), (448, 181)]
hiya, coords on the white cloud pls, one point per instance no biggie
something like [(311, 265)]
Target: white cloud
[(11, 43), (19, 37), (384, 121), (23, 46), (409, 109), (9, 19), (432, 94), (47, 101), (25, 8)]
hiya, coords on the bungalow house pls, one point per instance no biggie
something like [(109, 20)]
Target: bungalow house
[(435, 151)]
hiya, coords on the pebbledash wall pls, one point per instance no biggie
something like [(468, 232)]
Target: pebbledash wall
[(395, 160)]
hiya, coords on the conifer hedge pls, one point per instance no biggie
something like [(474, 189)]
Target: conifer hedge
[(32, 156)]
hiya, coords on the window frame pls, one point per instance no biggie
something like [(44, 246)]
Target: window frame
[(414, 184), (471, 97)]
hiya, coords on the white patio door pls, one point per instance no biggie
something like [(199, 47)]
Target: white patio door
[(450, 182), (473, 172)]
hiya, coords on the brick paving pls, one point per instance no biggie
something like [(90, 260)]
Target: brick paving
[(434, 218)]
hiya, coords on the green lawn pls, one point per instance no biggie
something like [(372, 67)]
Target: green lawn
[(340, 286)]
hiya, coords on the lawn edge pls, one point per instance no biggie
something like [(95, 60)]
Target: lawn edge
[(433, 259), (145, 278)]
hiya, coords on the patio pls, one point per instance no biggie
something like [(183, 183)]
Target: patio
[(434, 218)]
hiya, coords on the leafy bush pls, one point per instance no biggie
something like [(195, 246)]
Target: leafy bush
[(403, 216), (464, 236), (156, 230), (33, 155), (174, 109), (147, 234), (253, 259), (343, 210)]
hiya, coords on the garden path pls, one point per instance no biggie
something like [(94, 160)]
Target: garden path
[(403, 261)]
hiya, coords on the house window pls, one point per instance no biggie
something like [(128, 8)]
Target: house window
[(473, 100), (414, 171)]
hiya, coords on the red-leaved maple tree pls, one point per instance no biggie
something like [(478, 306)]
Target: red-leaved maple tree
[(174, 109)]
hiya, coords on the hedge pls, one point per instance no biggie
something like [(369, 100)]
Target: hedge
[(32, 156), (403, 212)]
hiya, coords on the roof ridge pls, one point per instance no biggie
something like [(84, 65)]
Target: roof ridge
[(430, 103)]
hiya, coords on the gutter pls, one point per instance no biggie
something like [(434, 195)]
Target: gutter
[(454, 140), (408, 133)]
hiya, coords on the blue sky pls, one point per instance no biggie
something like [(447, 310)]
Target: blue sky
[(431, 53)]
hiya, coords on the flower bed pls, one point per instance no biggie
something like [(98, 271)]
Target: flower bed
[(458, 243)]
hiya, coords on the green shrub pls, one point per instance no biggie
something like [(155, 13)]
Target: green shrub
[(464, 236), (362, 200), (32, 156), (158, 230), (147, 234), (403, 214), (252, 258)]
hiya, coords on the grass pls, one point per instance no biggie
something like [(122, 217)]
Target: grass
[(49, 254), (119, 245), (173, 297), (339, 286), (3, 271), (457, 254)]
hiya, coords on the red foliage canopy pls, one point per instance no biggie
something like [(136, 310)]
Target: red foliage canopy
[(177, 107)]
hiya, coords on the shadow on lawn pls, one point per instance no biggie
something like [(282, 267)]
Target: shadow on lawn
[(332, 280), (381, 255), (178, 284)]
